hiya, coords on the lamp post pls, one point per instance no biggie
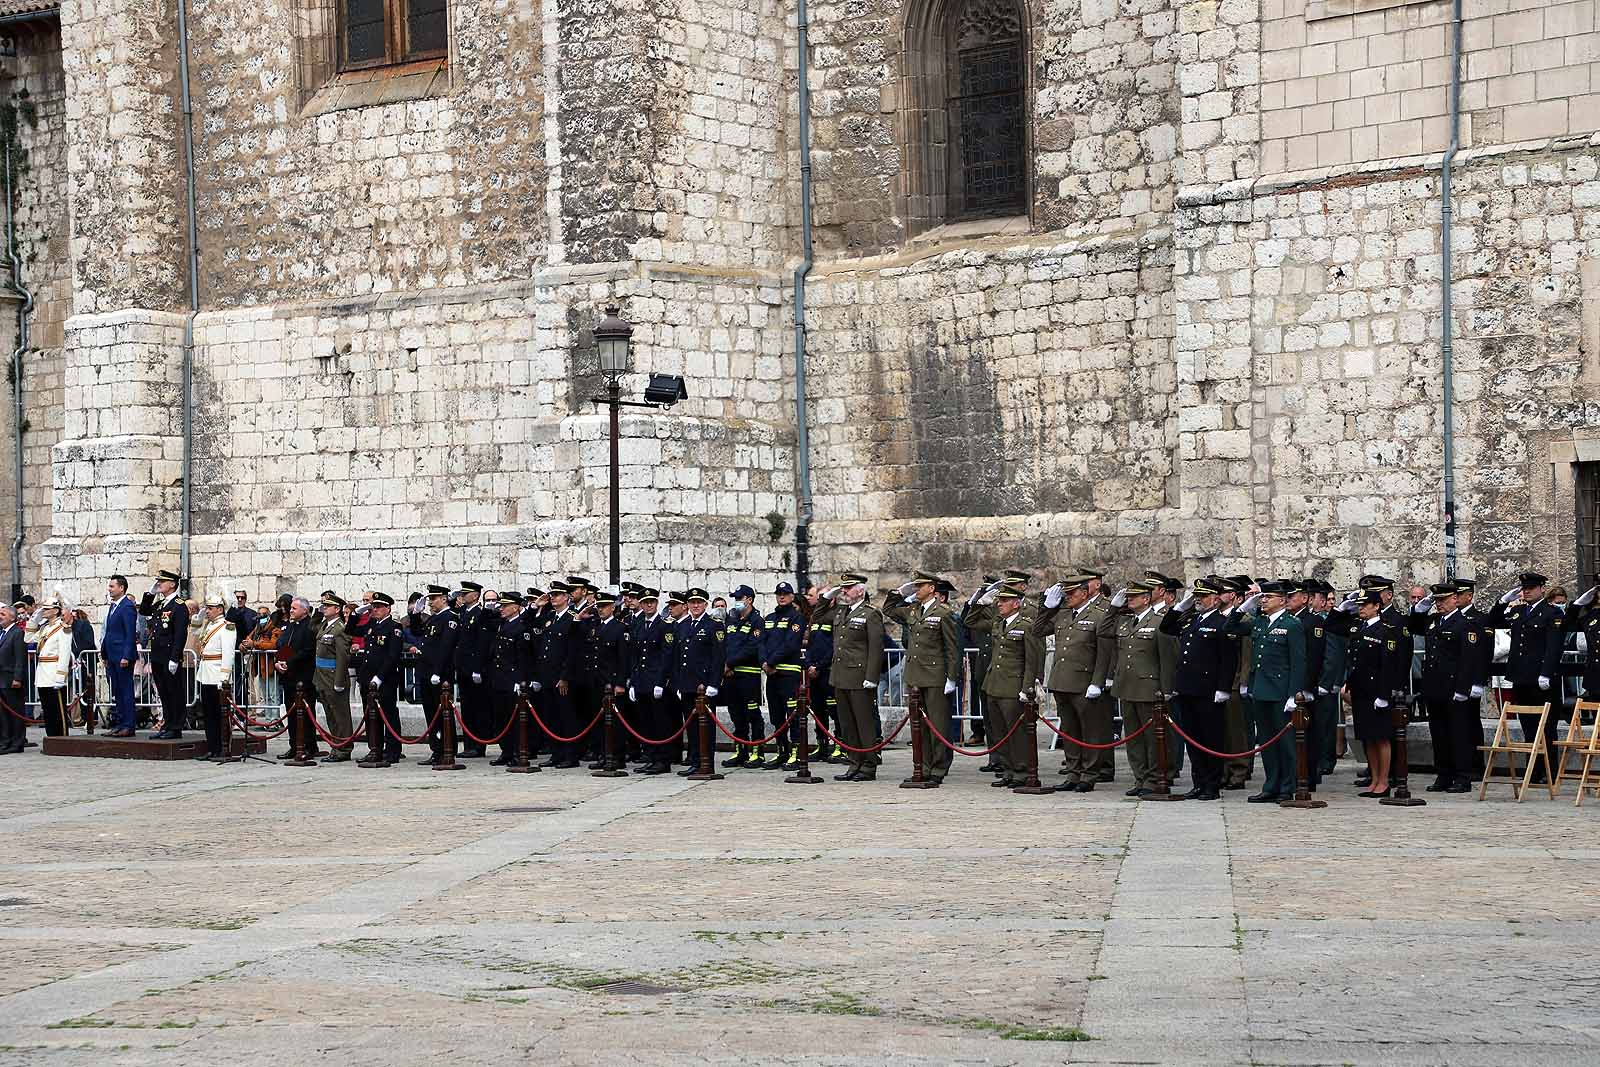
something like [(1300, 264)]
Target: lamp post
[(611, 338)]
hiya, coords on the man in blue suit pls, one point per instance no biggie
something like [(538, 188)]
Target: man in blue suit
[(119, 650)]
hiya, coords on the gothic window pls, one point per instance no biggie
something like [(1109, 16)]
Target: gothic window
[(965, 115), (375, 33)]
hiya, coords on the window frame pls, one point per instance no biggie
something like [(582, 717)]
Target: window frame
[(395, 30)]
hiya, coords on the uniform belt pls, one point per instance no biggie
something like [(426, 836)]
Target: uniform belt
[(747, 670), (322, 664), (212, 655), (788, 667), (48, 659)]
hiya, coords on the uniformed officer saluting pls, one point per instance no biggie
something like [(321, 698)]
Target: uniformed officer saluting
[(857, 664), (933, 664), (1277, 673), (701, 656), (169, 631), (1202, 679), (1537, 635), (1014, 669), (1378, 655), (510, 671), (1450, 662), (438, 655), (1139, 666), (378, 672)]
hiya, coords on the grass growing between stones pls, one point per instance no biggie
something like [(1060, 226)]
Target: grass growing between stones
[(1016, 1032)]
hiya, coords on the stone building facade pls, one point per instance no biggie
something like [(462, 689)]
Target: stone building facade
[(1116, 282)]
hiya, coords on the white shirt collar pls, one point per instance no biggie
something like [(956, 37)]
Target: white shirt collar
[(1274, 616)]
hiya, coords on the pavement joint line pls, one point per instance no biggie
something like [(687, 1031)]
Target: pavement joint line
[(164, 791), (332, 918)]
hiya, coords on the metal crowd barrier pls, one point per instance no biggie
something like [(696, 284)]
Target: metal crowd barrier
[(146, 701)]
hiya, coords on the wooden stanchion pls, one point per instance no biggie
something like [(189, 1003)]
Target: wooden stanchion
[(445, 758), (1302, 762), (1399, 770), (523, 764), (705, 770), (1158, 727), (919, 743), (1030, 785), (374, 755), (298, 725), (802, 708), (612, 766)]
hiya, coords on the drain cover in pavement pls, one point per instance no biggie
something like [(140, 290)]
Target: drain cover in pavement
[(636, 989), (523, 811)]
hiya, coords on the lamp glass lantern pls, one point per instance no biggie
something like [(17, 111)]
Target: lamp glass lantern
[(611, 338)]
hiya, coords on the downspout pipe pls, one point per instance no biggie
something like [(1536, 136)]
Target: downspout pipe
[(802, 529), (1447, 276), (194, 291), (24, 309)]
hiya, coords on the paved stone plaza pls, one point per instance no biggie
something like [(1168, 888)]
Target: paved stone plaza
[(186, 913)]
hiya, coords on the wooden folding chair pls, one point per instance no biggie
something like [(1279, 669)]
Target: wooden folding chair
[(1533, 748), (1582, 744)]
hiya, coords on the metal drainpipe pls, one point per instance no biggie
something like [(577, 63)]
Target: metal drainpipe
[(1447, 343), (802, 529), (24, 309), (194, 292)]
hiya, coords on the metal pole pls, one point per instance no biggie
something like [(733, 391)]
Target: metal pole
[(802, 529), (614, 396), (1447, 276), (23, 311), (194, 292)]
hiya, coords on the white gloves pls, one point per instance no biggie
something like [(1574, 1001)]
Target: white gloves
[(476, 677), (338, 689), (1380, 703), (869, 685), (1244, 691), (1288, 705), (1184, 604), (1120, 598), (657, 694), (375, 683), (1511, 594), (907, 589), (711, 692), (172, 666), (537, 686), (949, 687), (1092, 693), (1219, 697), (433, 679), (1544, 682), (1588, 597), (1423, 605), (1460, 696), (1321, 692), (1349, 603), (1024, 697), (1052, 596), (630, 694), (1250, 603), (516, 687), (988, 595), (1477, 691)]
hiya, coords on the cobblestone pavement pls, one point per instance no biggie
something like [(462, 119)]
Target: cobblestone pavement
[(185, 913)]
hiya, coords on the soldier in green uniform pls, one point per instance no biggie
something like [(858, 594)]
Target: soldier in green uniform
[(1016, 663), (933, 665), (332, 678), (1141, 664), (857, 665), (1086, 644), (1277, 673)]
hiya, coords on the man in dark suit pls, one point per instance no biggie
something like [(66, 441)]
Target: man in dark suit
[(297, 666), (13, 682), (119, 650), (169, 633), (554, 669)]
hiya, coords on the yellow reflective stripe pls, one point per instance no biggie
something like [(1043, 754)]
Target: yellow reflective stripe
[(747, 670), (788, 667)]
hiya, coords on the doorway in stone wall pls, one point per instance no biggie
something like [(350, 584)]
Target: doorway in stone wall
[(1586, 486)]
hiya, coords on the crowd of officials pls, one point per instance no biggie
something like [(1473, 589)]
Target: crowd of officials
[(1231, 656)]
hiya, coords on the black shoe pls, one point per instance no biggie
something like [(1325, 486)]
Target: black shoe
[(1262, 798), (336, 757), (1085, 787), (1004, 783), (1363, 779), (1374, 794), (428, 761), (686, 772), (1235, 785), (203, 756), (848, 776), (1194, 794), (1460, 785), (498, 761), (1210, 794), (1136, 791), (1326, 769), (1109, 776), (597, 765), (1439, 785), (867, 774), (988, 768)]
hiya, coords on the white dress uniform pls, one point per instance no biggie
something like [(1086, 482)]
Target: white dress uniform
[(218, 641), (50, 676)]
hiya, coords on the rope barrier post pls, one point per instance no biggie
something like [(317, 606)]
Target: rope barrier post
[(523, 764), (611, 767), (1399, 768), (1302, 762), (918, 742), (299, 724), (704, 771), (445, 758), (1163, 789), (1030, 785), (374, 756)]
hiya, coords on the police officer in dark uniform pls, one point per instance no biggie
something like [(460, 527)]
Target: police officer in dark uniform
[(610, 672), (1533, 665), (780, 662), (471, 660), (437, 662), (169, 634), (510, 670), (1450, 664), (742, 677), (1202, 679), (646, 690), (378, 673), (555, 667), (1378, 657), (701, 654)]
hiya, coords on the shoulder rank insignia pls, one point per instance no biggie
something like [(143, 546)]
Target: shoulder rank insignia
[(229, 625)]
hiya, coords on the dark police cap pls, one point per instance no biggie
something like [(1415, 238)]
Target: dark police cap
[(646, 593), (1532, 579), (631, 588), (1465, 585), (511, 598), (169, 576), (1276, 588), (558, 586), (383, 598), (438, 590), (742, 591), (1208, 586), (332, 600), (1443, 589), (783, 589), (605, 597), (696, 593), (1375, 581), (676, 597)]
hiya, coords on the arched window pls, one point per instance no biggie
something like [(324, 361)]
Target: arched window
[(965, 120)]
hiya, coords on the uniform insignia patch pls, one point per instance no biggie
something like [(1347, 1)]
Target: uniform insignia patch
[(719, 635), (668, 638), (452, 624), (1316, 631), (1391, 645), (1472, 636)]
